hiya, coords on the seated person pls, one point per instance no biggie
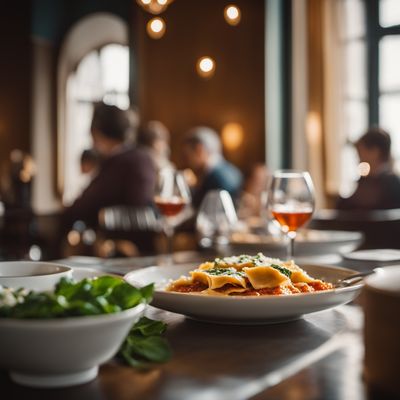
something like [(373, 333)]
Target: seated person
[(380, 187), (90, 161), (203, 154), (154, 138), (253, 197), (126, 176)]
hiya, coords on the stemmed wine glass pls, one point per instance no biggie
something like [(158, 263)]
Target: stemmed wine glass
[(291, 202), (215, 219), (171, 196)]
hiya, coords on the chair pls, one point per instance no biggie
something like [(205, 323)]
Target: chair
[(380, 227), (139, 225)]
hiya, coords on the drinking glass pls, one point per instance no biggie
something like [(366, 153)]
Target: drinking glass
[(291, 202), (215, 219), (171, 196)]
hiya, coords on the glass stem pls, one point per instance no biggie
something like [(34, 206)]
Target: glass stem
[(290, 253), (169, 233)]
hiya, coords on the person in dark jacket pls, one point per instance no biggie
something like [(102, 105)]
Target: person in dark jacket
[(203, 154), (379, 186), (126, 175)]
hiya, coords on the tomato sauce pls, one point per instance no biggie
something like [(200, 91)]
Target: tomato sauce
[(300, 287)]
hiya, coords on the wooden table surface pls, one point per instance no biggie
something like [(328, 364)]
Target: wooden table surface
[(316, 357)]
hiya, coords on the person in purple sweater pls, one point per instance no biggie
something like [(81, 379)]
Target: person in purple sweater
[(126, 175)]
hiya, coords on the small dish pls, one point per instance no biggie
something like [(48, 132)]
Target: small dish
[(60, 352), (32, 275)]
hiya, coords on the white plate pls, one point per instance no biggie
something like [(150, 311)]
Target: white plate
[(377, 255), (239, 309), (308, 242)]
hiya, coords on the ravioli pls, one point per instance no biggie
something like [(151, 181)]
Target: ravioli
[(247, 275)]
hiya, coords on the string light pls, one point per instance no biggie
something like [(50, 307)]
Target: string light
[(232, 15), (205, 67), (154, 6), (156, 28)]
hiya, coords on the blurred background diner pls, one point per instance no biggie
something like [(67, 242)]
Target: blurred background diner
[(99, 97)]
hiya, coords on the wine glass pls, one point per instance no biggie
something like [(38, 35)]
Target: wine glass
[(215, 219), (171, 196), (291, 202)]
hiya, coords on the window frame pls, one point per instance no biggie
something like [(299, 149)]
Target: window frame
[(375, 32)]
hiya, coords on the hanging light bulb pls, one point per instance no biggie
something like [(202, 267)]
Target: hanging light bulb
[(156, 28), (232, 14), (205, 67), (154, 6)]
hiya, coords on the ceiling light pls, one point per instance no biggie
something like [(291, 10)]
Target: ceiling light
[(232, 15), (205, 67), (156, 28)]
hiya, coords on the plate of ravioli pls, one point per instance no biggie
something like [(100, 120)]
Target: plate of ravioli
[(246, 289)]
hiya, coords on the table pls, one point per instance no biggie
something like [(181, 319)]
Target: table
[(316, 357)]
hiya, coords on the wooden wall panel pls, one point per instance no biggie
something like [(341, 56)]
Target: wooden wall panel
[(15, 77), (170, 90)]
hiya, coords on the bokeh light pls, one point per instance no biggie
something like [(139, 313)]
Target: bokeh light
[(156, 28), (205, 67), (363, 169), (232, 15), (232, 136)]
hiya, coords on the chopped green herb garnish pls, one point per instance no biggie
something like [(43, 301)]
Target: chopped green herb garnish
[(224, 271), (282, 270)]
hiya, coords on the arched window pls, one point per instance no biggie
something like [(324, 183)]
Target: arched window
[(102, 75), (93, 66)]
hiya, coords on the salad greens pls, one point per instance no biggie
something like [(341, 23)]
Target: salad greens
[(144, 344), (90, 296)]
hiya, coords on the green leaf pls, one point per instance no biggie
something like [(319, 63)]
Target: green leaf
[(152, 348), (147, 292), (125, 295), (144, 345), (149, 327), (104, 285)]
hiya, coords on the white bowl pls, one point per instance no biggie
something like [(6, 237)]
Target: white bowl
[(32, 275), (63, 351)]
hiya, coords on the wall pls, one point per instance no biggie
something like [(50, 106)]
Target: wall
[(171, 91), (15, 70)]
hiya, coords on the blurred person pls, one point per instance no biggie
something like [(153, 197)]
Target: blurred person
[(379, 186), (16, 180), (252, 199), (154, 137), (89, 162), (203, 154), (126, 176)]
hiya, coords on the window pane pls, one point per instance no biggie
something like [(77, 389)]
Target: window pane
[(355, 118), (389, 66), (389, 106), (87, 81), (389, 12), (355, 69), (115, 68), (351, 19)]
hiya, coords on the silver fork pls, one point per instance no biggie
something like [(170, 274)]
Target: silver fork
[(355, 278)]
